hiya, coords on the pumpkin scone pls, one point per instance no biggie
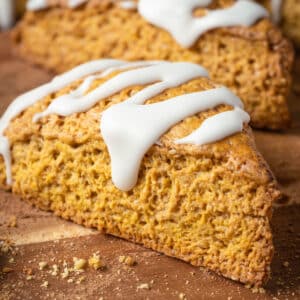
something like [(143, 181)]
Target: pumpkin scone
[(286, 13), (153, 152), (234, 40)]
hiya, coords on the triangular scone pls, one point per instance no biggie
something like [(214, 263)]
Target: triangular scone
[(286, 13), (254, 61), (209, 205)]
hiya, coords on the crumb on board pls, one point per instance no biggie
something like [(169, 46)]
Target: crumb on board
[(95, 262), (45, 284), (65, 273), (27, 271), (182, 296), (7, 270), (80, 280), (143, 286), (79, 264), (12, 222), (5, 246), (127, 260), (43, 265)]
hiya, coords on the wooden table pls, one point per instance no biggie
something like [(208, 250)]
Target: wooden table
[(40, 236)]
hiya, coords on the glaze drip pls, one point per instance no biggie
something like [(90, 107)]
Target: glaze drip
[(128, 4), (36, 4)]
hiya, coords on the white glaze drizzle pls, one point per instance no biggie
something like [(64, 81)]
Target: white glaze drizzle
[(128, 5), (7, 15), (217, 127), (28, 99), (129, 129), (276, 10), (176, 16), (166, 75), (35, 5)]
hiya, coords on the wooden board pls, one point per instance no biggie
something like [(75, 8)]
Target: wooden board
[(40, 236)]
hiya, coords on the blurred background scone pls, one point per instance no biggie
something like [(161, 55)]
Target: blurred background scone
[(251, 57)]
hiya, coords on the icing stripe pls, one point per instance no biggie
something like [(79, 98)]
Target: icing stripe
[(28, 99), (168, 74)]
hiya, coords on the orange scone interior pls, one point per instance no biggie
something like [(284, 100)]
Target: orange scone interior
[(208, 204), (254, 61)]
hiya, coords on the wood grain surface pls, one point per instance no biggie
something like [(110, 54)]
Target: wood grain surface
[(41, 237)]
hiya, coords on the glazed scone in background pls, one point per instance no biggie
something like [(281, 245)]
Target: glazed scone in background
[(208, 205), (255, 62), (289, 18)]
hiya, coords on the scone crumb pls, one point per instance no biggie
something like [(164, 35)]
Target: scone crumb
[(71, 280), (286, 264), (182, 296), (29, 277), (79, 264), (65, 273), (11, 260), (143, 286), (256, 290), (7, 270), (45, 284), (95, 262), (127, 260), (12, 222), (43, 265), (28, 271), (55, 270)]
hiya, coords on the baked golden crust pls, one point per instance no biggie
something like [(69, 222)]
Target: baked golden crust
[(255, 62), (207, 205)]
